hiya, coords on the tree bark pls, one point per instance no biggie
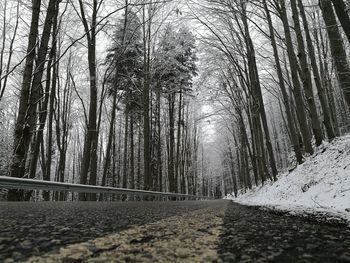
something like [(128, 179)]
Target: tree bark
[(145, 97), (110, 138), (337, 48), (257, 93), (343, 16), (132, 155), (90, 142), (159, 146), (46, 96), (171, 156), (291, 126), (317, 78), (326, 79), (30, 93), (305, 75), (295, 79), (178, 142), (126, 159)]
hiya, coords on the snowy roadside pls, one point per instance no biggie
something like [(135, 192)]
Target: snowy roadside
[(320, 185)]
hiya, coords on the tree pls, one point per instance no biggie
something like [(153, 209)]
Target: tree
[(124, 62), (298, 96), (337, 48), (89, 162), (317, 78), (30, 92), (342, 13), (147, 16), (175, 69), (5, 68), (305, 76), (291, 124)]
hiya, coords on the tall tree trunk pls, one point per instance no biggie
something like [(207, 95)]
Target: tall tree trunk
[(326, 81), (4, 77), (183, 156), (305, 75), (119, 151), (114, 160), (139, 158), (317, 78), (110, 138), (178, 142), (195, 158), (46, 95), (30, 93), (126, 159), (159, 148), (295, 79), (47, 174), (343, 16), (233, 174), (291, 126), (132, 156), (337, 48), (255, 156), (90, 142), (111, 133), (145, 97), (257, 90), (171, 156), (22, 134), (62, 130)]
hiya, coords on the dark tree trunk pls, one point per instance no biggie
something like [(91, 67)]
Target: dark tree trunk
[(343, 16), (44, 104), (47, 174), (326, 81), (132, 156), (139, 159), (90, 142), (110, 139), (233, 174), (305, 75), (119, 151), (253, 72), (337, 48), (171, 156), (146, 98), (255, 152), (317, 78), (178, 143), (159, 148), (295, 79), (126, 159), (30, 93), (291, 126)]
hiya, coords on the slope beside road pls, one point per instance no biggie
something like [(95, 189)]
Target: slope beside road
[(320, 185)]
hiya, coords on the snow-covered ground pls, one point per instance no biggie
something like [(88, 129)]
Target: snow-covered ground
[(320, 184)]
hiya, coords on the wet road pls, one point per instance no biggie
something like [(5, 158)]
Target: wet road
[(254, 235), (187, 231)]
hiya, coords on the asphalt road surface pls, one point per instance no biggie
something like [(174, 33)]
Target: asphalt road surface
[(186, 231)]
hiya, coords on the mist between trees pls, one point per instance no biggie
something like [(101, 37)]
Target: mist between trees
[(123, 93)]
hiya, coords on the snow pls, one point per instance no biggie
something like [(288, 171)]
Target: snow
[(320, 184)]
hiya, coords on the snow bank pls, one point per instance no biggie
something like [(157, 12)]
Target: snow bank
[(322, 183)]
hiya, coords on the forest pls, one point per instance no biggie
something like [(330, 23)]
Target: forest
[(200, 97)]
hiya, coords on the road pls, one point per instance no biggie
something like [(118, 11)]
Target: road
[(187, 231)]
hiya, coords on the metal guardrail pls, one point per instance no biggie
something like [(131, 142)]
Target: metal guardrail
[(30, 184)]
